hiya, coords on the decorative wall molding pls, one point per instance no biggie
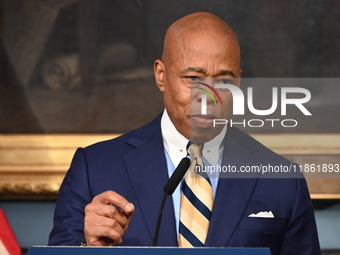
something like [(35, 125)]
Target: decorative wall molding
[(33, 166)]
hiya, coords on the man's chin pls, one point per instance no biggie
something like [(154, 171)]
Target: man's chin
[(202, 135)]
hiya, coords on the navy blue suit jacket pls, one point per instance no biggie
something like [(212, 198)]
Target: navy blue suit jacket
[(134, 166)]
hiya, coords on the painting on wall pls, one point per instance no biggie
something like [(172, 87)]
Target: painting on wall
[(73, 66)]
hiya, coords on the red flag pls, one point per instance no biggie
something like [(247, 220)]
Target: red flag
[(8, 242)]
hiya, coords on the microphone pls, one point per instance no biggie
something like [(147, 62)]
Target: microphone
[(169, 188), (177, 176)]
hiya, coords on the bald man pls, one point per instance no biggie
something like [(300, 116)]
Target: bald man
[(112, 191)]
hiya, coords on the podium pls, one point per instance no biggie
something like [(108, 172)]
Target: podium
[(119, 250)]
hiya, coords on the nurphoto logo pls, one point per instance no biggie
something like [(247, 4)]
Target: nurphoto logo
[(295, 96)]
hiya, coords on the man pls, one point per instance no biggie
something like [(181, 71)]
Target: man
[(112, 192)]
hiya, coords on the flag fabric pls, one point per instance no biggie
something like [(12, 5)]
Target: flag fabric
[(8, 242)]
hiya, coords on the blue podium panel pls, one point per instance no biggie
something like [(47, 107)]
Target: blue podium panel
[(62, 250)]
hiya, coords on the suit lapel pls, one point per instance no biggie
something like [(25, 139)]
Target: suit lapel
[(147, 169), (232, 194)]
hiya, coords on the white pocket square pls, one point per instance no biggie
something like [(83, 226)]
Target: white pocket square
[(262, 215)]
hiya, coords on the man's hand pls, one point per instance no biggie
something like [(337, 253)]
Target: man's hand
[(107, 218)]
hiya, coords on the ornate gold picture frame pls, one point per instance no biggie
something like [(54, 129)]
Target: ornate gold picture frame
[(33, 166)]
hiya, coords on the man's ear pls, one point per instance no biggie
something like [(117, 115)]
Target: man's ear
[(159, 71), (239, 79)]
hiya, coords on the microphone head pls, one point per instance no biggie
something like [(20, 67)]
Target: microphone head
[(177, 176)]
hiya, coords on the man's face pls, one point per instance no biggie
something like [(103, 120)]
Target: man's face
[(195, 57)]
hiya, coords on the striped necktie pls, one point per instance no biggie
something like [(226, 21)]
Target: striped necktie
[(196, 203)]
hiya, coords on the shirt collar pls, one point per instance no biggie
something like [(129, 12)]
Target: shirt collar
[(213, 149), (175, 143)]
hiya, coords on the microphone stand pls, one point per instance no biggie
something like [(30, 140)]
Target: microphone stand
[(169, 188)]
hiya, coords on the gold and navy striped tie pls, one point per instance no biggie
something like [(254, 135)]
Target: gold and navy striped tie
[(196, 203)]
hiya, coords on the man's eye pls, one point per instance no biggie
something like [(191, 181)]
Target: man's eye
[(225, 81), (193, 78)]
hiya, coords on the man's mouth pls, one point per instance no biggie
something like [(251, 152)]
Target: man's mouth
[(202, 121)]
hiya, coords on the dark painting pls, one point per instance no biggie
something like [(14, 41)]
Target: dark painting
[(86, 66)]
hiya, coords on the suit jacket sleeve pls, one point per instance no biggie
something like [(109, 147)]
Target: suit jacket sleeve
[(73, 196)]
